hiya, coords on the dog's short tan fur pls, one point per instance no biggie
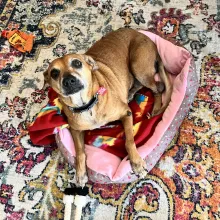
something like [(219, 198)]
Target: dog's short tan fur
[(115, 62)]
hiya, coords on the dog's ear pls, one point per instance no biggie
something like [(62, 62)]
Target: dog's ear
[(46, 78), (91, 62)]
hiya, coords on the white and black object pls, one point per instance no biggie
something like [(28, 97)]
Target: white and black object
[(77, 196), (68, 201)]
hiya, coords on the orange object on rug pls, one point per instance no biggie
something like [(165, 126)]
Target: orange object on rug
[(19, 40)]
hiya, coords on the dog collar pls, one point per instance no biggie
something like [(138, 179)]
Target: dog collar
[(90, 104)]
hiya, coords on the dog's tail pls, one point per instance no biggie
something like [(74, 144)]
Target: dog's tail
[(166, 86)]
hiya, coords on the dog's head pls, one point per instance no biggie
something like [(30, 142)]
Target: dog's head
[(70, 74)]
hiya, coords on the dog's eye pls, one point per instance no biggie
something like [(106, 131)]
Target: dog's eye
[(76, 64), (55, 73)]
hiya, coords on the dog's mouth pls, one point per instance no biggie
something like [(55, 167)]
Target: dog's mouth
[(68, 92), (71, 85)]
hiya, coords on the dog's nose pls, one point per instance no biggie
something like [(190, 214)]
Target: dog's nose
[(71, 85), (70, 81)]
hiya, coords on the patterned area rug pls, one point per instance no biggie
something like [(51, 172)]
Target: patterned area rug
[(185, 182)]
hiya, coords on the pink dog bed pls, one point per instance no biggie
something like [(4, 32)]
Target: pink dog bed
[(104, 167)]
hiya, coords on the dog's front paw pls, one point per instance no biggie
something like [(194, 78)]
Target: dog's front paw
[(139, 168), (81, 179)]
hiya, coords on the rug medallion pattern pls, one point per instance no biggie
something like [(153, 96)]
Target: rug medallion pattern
[(185, 182)]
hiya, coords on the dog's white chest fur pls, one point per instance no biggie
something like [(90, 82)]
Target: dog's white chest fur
[(86, 120), (91, 120)]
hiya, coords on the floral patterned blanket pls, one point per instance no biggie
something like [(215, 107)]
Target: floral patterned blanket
[(185, 182)]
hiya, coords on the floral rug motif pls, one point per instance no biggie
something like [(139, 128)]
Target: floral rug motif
[(185, 182)]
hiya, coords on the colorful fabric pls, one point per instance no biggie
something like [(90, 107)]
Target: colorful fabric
[(48, 122), (185, 182), (110, 138)]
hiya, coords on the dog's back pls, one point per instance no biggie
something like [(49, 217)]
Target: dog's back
[(114, 50)]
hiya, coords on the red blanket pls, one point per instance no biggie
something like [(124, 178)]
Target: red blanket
[(110, 138)]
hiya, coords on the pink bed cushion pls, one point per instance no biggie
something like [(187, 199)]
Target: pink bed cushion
[(106, 167)]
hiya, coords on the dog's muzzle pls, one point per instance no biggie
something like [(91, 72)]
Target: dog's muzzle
[(71, 85)]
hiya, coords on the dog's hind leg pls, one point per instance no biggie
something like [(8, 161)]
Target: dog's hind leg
[(143, 57), (142, 63)]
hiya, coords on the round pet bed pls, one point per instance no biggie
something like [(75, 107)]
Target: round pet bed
[(104, 167), (107, 160)]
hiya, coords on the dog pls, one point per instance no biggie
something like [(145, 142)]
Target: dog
[(94, 89)]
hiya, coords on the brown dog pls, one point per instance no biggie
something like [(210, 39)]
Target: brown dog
[(120, 62)]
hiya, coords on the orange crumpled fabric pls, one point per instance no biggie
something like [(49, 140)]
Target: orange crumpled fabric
[(19, 40)]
